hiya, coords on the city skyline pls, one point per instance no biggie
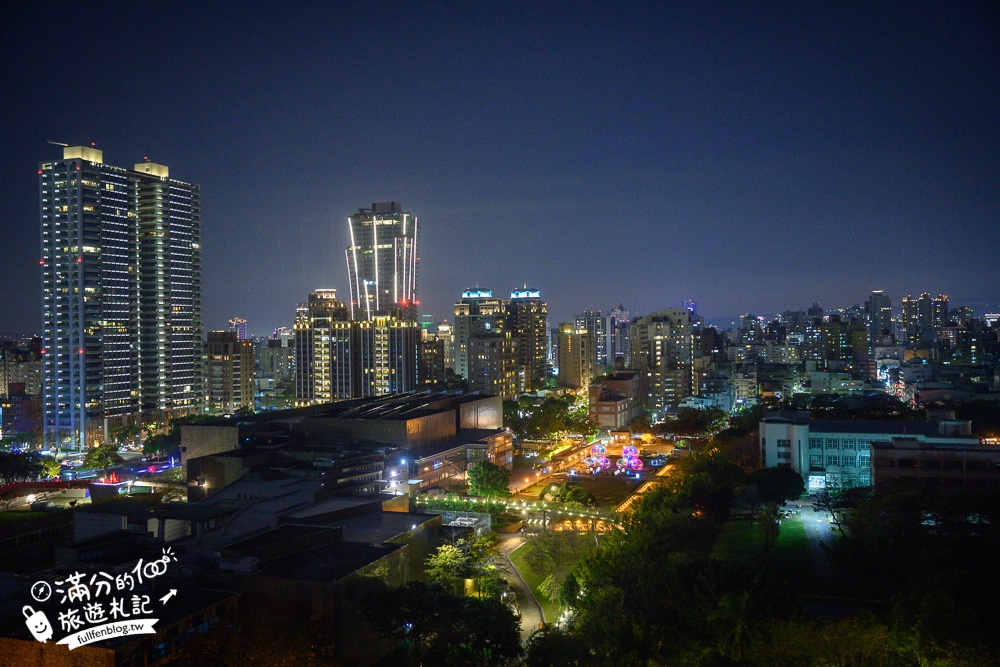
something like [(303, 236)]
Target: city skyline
[(755, 160)]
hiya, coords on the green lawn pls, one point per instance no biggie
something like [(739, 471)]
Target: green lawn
[(549, 609), (789, 556), (14, 516)]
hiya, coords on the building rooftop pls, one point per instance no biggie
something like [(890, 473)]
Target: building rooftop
[(874, 426), (913, 443), (274, 536), (139, 509), (327, 563), (379, 527)]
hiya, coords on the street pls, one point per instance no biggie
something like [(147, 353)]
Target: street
[(531, 611), (818, 531)]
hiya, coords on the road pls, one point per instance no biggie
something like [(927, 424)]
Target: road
[(818, 532), (531, 611)]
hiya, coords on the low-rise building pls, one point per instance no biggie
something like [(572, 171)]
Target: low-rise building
[(912, 463), (616, 399), (832, 454)]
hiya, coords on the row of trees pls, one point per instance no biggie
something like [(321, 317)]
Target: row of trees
[(25, 467)]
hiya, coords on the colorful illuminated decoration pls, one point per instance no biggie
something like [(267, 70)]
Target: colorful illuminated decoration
[(596, 464), (598, 450), (629, 461)]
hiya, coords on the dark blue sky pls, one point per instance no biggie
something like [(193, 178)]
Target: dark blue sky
[(754, 157)]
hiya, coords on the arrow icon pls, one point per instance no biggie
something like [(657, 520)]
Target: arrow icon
[(172, 593)]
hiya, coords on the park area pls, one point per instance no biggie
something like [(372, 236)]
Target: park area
[(739, 541)]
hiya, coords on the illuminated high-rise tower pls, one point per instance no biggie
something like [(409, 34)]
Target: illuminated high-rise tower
[(121, 295), (382, 262), (171, 349), (527, 319)]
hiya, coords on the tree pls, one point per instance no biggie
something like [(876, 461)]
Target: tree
[(158, 445), (556, 552), (19, 467), (694, 422), (769, 526), (776, 485), (24, 439), (447, 566), (7, 499), (553, 646), (50, 466), (449, 630), (103, 457), (487, 479), (123, 433)]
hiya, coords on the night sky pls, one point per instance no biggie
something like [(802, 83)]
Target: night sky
[(753, 157)]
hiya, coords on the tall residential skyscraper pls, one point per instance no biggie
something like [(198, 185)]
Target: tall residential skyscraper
[(493, 363), (619, 340), (879, 309), (121, 295), (337, 357), (662, 348), (527, 317), (322, 350), (477, 305), (597, 326), (576, 356), (170, 316), (382, 262), (229, 363), (923, 317)]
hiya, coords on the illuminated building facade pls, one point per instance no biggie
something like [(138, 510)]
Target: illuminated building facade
[(662, 348), (229, 362), (598, 326), (923, 317), (576, 356), (382, 262), (322, 349), (170, 312), (121, 294), (879, 308), (337, 357), (527, 320), (238, 325), (493, 362), (619, 339), (476, 306)]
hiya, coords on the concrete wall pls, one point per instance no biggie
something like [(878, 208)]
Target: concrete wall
[(486, 412), (202, 440)]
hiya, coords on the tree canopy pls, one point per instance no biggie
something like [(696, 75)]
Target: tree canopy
[(486, 479), (20, 467), (776, 485), (449, 630), (103, 457), (548, 419)]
